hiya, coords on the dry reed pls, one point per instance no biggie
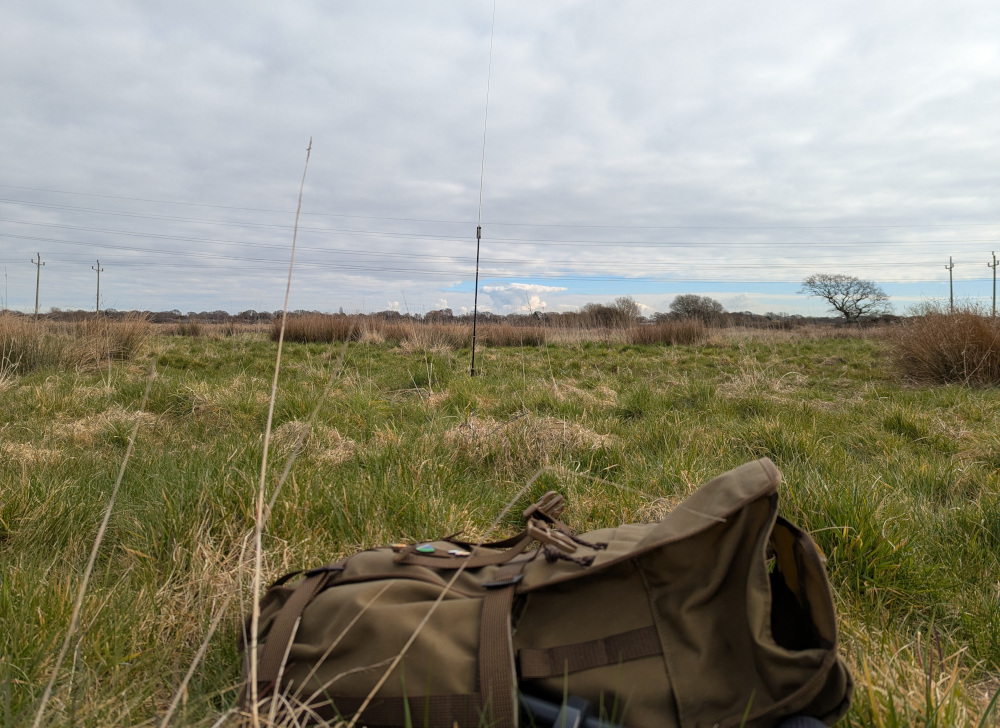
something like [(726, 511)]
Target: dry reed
[(683, 331)]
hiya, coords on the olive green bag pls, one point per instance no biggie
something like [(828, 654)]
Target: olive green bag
[(718, 615)]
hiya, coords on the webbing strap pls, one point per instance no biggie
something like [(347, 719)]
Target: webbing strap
[(273, 651), (433, 711), (409, 555), (497, 676), (557, 661)]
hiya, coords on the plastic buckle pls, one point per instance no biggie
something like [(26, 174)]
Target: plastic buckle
[(543, 533), (548, 508)]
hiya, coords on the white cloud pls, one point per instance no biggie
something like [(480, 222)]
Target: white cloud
[(739, 302), (519, 297)]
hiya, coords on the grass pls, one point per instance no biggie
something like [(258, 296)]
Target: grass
[(899, 484), (940, 346), (27, 345)]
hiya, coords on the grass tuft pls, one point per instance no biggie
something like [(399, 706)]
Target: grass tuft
[(686, 331), (941, 347)]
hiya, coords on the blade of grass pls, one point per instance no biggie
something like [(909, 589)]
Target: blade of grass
[(259, 516), (202, 649)]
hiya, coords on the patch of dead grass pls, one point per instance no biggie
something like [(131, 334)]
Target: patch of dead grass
[(754, 379), (25, 452), (323, 444), (85, 430), (528, 434)]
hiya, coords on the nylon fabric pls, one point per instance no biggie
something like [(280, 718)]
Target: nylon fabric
[(683, 623), (557, 661)]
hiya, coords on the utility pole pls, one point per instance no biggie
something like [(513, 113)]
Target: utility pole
[(98, 269), (951, 288), (38, 280), (993, 265)]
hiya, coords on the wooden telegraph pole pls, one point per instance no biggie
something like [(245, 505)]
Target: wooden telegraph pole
[(951, 288), (38, 280), (98, 269), (993, 265)]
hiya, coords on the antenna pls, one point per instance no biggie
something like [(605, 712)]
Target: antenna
[(482, 174), (98, 269)]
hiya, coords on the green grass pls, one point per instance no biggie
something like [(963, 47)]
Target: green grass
[(899, 485)]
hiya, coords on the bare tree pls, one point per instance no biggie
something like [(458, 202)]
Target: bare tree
[(691, 305), (851, 296), (629, 308)]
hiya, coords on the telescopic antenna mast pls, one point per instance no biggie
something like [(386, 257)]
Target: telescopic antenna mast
[(482, 173)]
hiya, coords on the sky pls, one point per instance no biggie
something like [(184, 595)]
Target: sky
[(647, 149)]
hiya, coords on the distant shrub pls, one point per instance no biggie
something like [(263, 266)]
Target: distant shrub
[(938, 347), (681, 331)]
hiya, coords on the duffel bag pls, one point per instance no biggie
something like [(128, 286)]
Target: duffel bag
[(718, 615)]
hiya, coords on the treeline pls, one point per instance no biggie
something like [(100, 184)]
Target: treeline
[(624, 312)]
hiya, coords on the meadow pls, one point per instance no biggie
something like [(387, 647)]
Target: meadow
[(899, 484)]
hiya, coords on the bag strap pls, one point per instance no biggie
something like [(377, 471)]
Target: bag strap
[(497, 675), (483, 557), (612, 650), (283, 627)]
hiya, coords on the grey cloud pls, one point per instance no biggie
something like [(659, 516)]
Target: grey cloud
[(782, 113)]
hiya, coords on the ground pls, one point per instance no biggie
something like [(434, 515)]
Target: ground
[(899, 485)]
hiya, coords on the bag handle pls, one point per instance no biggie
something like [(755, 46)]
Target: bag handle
[(543, 525)]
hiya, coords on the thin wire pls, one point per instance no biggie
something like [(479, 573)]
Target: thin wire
[(482, 175), (466, 222)]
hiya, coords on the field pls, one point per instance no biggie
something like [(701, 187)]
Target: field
[(899, 485)]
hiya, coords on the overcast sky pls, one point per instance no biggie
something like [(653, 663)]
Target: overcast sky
[(632, 148)]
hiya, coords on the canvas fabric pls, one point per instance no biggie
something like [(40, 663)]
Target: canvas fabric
[(718, 615)]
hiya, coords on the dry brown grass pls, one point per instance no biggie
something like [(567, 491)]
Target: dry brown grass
[(687, 331), (411, 335), (86, 430), (317, 327), (27, 345), (939, 347), (99, 339), (324, 444), (531, 437)]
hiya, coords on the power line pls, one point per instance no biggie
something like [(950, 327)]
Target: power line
[(511, 241), (509, 262), (491, 222)]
